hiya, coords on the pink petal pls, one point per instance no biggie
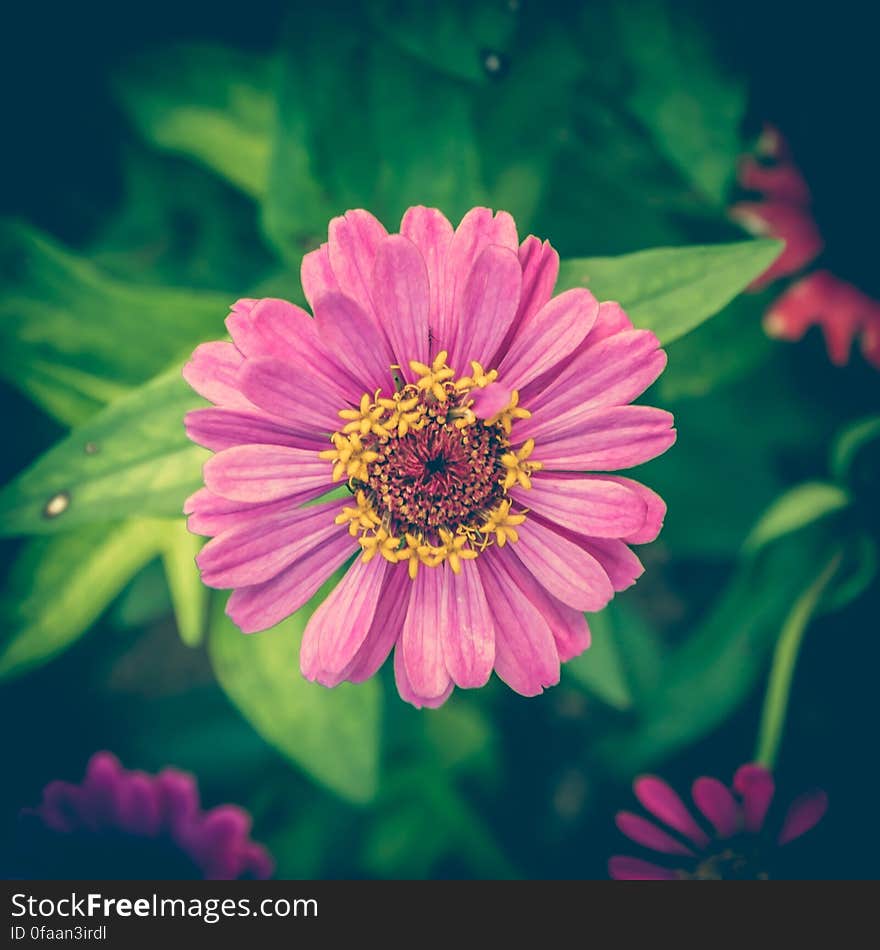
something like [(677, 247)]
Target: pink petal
[(427, 615), (256, 863), (563, 567), (525, 650), (386, 629), (212, 371), (805, 813), (617, 560), (298, 397), (401, 297), (139, 811), (263, 605), (782, 182), (338, 628), (622, 868), (607, 439), (178, 796), (468, 636), (540, 269), (357, 343), (219, 429), (555, 332), (261, 549), (316, 275), (432, 234), (715, 801), (486, 309), (261, 473), (477, 230), (569, 626), (491, 400), (354, 239), (275, 328), (590, 505), (655, 510), (612, 372), (101, 800), (209, 514), (647, 834), (663, 803), (405, 687), (756, 787), (611, 319)]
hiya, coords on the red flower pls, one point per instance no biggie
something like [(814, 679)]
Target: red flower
[(784, 211)]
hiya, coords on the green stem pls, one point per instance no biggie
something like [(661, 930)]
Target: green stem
[(784, 661)]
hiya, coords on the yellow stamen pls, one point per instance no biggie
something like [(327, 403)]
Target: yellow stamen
[(508, 416), (518, 468), (502, 524), (380, 542), (479, 378), (367, 418), (361, 517), (350, 457), (432, 378)]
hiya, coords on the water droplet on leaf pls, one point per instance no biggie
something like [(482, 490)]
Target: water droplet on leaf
[(493, 63), (91, 448)]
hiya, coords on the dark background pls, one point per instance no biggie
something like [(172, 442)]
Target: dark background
[(813, 71)]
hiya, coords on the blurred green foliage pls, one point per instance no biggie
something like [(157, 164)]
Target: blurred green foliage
[(612, 134)]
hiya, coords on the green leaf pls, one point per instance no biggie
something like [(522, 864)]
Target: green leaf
[(681, 91), (333, 735), (456, 36), (133, 458), (671, 290), (850, 442), (211, 103), (59, 586), (796, 508), (189, 596), (600, 669), (73, 338)]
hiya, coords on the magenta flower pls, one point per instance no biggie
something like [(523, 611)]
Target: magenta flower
[(733, 841), (462, 405), (130, 825), (819, 298)]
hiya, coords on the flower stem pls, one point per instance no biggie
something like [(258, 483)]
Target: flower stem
[(784, 661)]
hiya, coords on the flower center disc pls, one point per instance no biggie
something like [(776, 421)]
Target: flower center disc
[(430, 479), (439, 476)]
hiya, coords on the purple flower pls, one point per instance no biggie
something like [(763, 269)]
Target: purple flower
[(131, 825), (733, 841), (463, 406)]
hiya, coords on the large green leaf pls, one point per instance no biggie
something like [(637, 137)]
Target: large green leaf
[(333, 735), (131, 459), (214, 104), (59, 586), (672, 290), (74, 339), (600, 669)]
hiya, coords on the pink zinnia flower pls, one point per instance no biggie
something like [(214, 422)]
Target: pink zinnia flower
[(819, 298), (130, 825), (462, 405), (733, 841)]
